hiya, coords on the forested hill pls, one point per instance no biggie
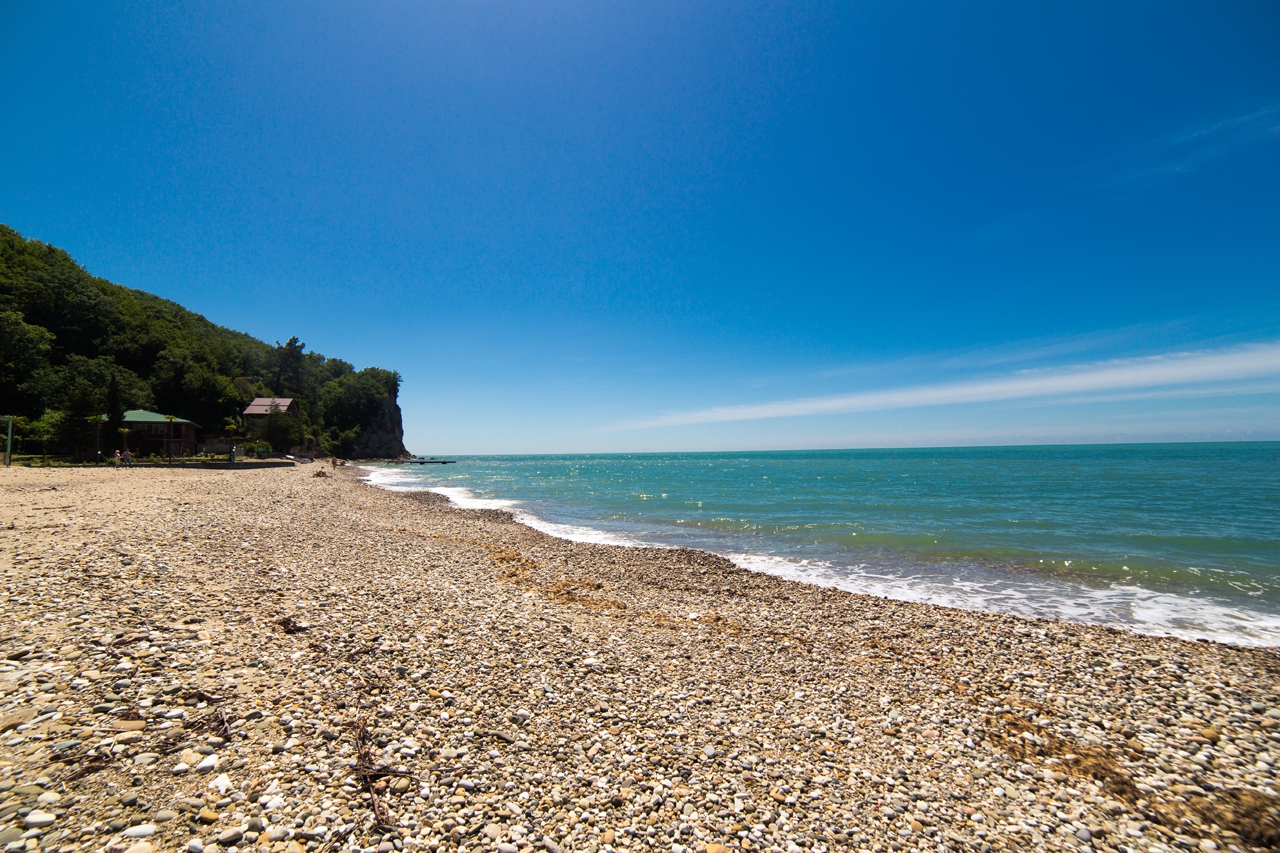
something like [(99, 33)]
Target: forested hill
[(73, 346)]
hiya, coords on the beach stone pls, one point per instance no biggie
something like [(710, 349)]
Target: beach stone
[(231, 836), (38, 820), (208, 764), (208, 815), (142, 830), (140, 847), (1083, 835), (13, 719), (165, 815), (195, 845)]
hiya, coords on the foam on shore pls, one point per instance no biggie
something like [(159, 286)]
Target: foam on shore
[(398, 481), (1117, 605)]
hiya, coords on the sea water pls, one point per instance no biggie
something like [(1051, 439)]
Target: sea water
[(1179, 539)]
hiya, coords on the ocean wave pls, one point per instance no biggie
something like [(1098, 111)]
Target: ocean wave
[(403, 481), (579, 533), (466, 500), (1117, 605), (392, 480)]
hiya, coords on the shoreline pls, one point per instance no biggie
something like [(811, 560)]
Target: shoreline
[(1101, 604), (373, 668)]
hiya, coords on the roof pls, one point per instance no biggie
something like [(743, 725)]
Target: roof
[(262, 405), (142, 416)]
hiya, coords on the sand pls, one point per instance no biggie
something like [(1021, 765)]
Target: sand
[(272, 660)]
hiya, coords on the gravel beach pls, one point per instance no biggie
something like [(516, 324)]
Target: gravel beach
[(278, 661)]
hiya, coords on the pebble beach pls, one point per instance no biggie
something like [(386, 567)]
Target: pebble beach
[(284, 662)]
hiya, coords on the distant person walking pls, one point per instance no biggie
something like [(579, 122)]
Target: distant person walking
[(116, 461), (128, 458)]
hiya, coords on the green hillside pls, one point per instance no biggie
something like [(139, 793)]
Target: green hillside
[(73, 346)]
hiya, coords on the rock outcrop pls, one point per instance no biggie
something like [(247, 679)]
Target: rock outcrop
[(383, 436)]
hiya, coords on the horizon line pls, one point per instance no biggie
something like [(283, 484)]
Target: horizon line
[(1028, 445)]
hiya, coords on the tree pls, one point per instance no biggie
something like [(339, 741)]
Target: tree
[(45, 428), (114, 411), (289, 361), (24, 349), (281, 430)]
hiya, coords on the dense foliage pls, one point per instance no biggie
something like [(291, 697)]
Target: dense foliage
[(74, 347)]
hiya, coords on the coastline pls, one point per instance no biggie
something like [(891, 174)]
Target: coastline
[(513, 691), (1189, 610)]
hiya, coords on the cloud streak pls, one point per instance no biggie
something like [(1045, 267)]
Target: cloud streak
[(1190, 148), (1254, 361)]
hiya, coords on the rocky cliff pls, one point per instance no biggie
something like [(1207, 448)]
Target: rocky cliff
[(382, 437)]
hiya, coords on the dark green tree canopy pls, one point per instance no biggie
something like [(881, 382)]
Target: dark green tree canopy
[(73, 346)]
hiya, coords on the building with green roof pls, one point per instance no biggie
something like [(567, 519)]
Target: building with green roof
[(162, 435)]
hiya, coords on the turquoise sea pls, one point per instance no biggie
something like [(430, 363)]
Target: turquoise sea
[(1180, 539)]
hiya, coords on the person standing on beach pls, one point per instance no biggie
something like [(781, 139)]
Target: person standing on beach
[(128, 458), (116, 460)]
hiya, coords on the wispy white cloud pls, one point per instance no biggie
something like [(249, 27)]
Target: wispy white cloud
[(1192, 147), (1146, 164), (1027, 353), (1225, 389), (1196, 368)]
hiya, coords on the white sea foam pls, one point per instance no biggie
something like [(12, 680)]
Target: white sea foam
[(577, 533), (406, 481), (392, 479), (465, 499), (1124, 606)]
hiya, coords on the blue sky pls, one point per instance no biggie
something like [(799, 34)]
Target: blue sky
[(664, 226)]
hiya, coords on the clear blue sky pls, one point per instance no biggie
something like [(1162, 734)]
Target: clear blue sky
[(579, 226)]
